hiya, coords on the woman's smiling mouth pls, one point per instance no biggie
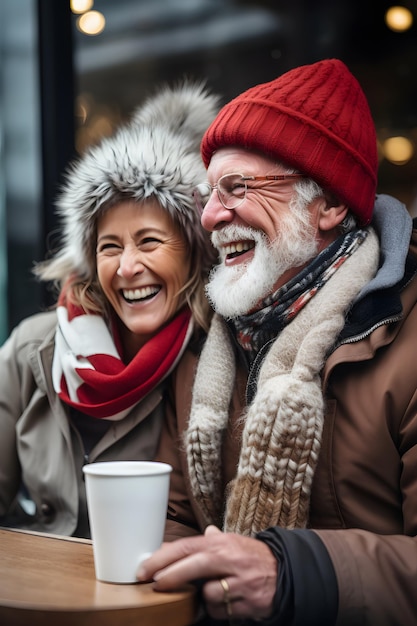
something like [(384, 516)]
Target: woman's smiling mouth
[(138, 295)]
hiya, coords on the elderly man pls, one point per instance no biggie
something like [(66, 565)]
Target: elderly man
[(301, 445)]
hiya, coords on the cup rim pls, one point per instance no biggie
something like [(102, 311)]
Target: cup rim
[(121, 469)]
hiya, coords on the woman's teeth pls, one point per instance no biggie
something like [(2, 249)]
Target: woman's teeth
[(139, 294)]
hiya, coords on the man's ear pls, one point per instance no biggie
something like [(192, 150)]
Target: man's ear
[(331, 214)]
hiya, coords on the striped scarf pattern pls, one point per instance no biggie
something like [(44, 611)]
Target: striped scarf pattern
[(256, 329), (88, 372)]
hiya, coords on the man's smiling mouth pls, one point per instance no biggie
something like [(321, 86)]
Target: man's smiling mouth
[(138, 295), (233, 250)]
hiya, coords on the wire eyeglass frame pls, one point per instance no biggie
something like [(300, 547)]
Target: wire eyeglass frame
[(234, 194)]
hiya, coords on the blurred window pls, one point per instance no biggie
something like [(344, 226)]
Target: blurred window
[(71, 70), (20, 171)]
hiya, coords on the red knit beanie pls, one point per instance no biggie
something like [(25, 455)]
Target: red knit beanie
[(314, 118)]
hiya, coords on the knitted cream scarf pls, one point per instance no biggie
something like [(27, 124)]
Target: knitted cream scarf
[(283, 426)]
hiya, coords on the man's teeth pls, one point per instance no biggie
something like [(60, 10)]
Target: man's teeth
[(139, 294), (241, 246)]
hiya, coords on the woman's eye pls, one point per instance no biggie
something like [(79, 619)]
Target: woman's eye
[(149, 243), (108, 247)]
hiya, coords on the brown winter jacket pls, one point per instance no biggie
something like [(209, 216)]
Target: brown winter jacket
[(364, 495)]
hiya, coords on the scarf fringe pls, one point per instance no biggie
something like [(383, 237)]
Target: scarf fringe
[(281, 443)]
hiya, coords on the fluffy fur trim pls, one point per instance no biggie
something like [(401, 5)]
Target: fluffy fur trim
[(155, 155)]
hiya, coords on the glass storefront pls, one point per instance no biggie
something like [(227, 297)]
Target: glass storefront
[(20, 154), (98, 79)]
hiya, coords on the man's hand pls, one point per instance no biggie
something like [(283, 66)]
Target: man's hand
[(247, 565)]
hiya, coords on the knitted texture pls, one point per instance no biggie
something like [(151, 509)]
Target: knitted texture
[(283, 426), (314, 118), (209, 420)]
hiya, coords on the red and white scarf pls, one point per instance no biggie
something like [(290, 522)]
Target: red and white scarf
[(88, 372)]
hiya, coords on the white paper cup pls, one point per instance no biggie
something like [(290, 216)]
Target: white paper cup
[(127, 504)]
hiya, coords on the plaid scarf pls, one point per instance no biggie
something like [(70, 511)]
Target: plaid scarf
[(88, 372), (254, 330)]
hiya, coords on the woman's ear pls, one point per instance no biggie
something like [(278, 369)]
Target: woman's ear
[(331, 214)]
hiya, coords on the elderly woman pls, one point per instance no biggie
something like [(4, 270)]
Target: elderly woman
[(94, 378)]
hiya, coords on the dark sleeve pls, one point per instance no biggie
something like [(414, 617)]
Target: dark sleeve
[(307, 592)]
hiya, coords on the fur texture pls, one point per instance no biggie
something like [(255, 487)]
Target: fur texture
[(155, 155)]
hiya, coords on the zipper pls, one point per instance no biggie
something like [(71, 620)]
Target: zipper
[(366, 333)]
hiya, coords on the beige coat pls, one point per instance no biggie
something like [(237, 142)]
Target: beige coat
[(39, 446)]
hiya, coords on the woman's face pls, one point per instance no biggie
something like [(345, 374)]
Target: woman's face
[(143, 261)]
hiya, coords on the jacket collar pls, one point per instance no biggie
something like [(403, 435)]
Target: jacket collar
[(380, 302)]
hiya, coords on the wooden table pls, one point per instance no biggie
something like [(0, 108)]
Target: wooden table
[(50, 580)]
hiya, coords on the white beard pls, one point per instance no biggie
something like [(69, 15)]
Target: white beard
[(236, 290)]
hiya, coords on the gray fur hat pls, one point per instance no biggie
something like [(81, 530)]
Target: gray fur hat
[(156, 154)]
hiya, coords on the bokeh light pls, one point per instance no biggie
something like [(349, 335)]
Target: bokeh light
[(81, 6), (91, 23), (398, 150), (399, 19)]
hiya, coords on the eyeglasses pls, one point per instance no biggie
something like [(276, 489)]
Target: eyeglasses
[(232, 188)]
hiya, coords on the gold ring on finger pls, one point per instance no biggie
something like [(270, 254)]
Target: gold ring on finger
[(226, 596)]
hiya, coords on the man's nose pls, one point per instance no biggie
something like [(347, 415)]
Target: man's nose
[(214, 214)]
